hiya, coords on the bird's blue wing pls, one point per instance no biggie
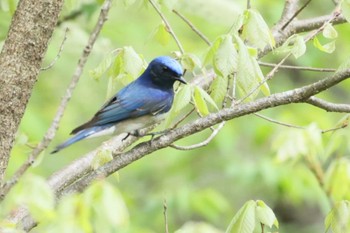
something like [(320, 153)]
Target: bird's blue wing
[(130, 102)]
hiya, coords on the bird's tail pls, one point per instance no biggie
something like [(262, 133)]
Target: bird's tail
[(79, 136)]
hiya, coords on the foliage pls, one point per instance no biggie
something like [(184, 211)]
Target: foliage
[(301, 172)]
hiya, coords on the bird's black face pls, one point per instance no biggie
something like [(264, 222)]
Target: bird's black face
[(166, 73)]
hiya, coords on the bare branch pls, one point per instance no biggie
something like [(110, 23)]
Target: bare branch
[(54, 126), (59, 52), (296, 14), (199, 33), (292, 96), (203, 143), (168, 27), (328, 106), (278, 122), (314, 23), (290, 7), (165, 208), (297, 67)]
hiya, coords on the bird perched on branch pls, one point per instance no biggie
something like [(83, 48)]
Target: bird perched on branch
[(142, 103)]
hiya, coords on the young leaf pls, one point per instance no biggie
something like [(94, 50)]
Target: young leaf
[(190, 61), (256, 31), (103, 66), (225, 58), (218, 89), (337, 179), (244, 220), (209, 57), (101, 158), (161, 34), (207, 98), (133, 63), (299, 47), (249, 74), (182, 98), (327, 48), (330, 32), (338, 218), (199, 102), (345, 9), (265, 215)]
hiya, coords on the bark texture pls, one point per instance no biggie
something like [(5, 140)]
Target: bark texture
[(20, 60)]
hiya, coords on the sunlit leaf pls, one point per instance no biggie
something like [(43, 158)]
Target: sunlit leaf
[(265, 215), (337, 179), (218, 89), (330, 32), (256, 31), (244, 220), (327, 48), (338, 219), (199, 102), (189, 61), (345, 9), (209, 57), (161, 34), (182, 98), (101, 157), (207, 97), (225, 58), (299, 47), (104, 65), (249, 75), (133, 63)]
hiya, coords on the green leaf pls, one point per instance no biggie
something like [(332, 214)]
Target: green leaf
[(199, 102), (345, 8), (182, 98), (244, 220), (207, 98), (162, 35), (337, 179), (218, 89), (338, 219), (225, 58), (327, 48), (101, 157), (209, 57), (249, 74), (190, 61), (299, 47), (104, 65), (133, 63), (330, 32), (256, 31), (265, 215)]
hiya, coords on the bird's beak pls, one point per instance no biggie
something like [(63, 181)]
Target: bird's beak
[(181, 79)]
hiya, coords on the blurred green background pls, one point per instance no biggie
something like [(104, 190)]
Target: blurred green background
[(208, 184)]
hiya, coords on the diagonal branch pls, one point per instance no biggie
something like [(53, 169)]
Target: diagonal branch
[(328, 106), (292, 96)]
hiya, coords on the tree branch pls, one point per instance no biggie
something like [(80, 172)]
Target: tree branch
[(328, 106), (292, 96)]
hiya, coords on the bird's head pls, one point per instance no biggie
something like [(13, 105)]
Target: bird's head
[(165, 71)]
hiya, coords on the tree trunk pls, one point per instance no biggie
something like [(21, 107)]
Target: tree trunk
[(20, 60)]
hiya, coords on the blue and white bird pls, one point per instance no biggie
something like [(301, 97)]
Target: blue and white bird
[(142, 103)]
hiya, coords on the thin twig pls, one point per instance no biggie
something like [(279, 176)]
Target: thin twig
[(295, 15), (199, 33), (278, 122), (59, 52), (55, 123), (334, 129), (267, 64), (328, 106), (183, 118), (203, 143), (165, 208), (168, 27)]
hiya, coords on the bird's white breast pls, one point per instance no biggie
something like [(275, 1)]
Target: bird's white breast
[(131, 125)]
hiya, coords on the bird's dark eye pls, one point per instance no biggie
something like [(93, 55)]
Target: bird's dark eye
[(164, 68)]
